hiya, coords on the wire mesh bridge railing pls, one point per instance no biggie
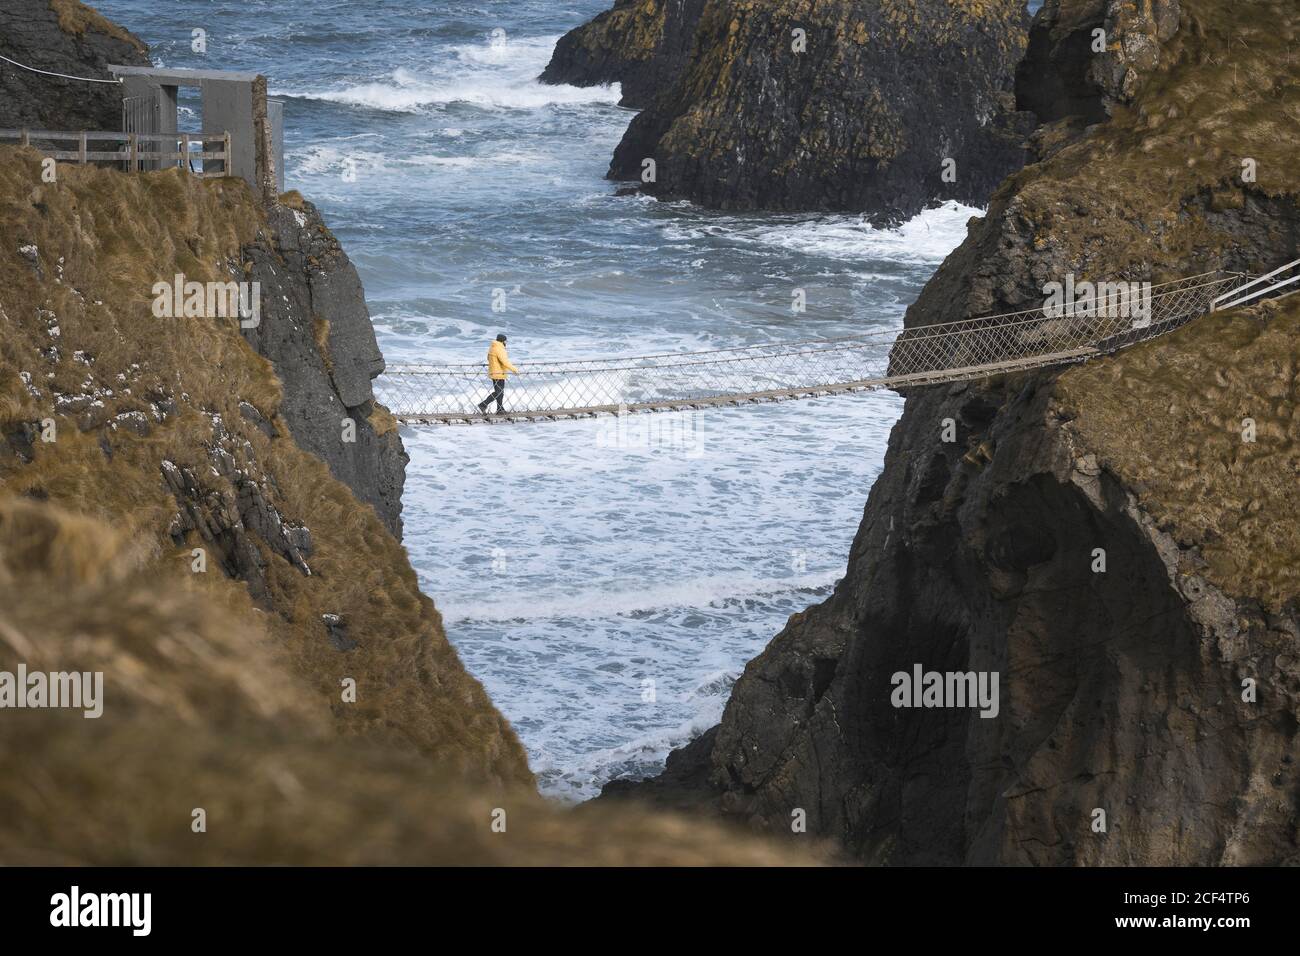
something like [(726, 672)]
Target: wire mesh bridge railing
[(1115, 316)]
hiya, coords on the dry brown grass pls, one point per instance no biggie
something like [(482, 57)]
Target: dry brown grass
[(116, 236), (382, 420), (293, 199), (200, 712), (76, 18), (1168, 417), (211, 702)]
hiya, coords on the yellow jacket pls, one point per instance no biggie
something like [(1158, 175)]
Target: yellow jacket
[(499, 361)]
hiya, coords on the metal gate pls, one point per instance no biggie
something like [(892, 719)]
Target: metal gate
[(140, 114)]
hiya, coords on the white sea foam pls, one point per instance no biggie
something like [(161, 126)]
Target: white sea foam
[(621, 565), (484, 75), (318, 160), (571, 780), (926, 238), (599, 601), (572, 575), (625, 565)]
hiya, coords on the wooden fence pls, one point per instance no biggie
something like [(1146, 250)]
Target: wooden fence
[(130, 149)]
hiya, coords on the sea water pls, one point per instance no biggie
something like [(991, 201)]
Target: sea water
[(607, 588)]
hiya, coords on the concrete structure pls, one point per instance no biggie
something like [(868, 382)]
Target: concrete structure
[(232, 102)]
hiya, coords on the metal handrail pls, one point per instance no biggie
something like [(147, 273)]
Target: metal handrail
[(1235, 297)]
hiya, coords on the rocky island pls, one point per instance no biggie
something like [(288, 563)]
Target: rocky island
[(883, 108)]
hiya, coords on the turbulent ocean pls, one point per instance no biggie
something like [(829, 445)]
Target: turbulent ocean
[(607, 593)]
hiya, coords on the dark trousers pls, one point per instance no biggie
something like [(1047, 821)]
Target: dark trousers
[(498, 395)]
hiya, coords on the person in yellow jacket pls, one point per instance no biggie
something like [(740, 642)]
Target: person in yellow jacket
[(498, 366)]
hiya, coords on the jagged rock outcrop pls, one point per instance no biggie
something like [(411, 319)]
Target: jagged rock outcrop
[(1086, 57), (1160, 687), (163, 526), (644, 45), (233, 517), (62, 36), (882, 107), (315, 328)]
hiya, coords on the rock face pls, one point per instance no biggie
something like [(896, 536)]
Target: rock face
[(1113, 541), (61, 36), (645, 45), (882, 107), (316, 331), (165, 524), (207, 449), (1086, 57)]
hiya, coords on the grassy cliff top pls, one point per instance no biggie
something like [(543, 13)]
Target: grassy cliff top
[(76, 18), (1163, 181), (1227, 92), (127, 392), (1171, 418)]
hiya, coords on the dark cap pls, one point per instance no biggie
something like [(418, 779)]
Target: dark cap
[(501, 337)]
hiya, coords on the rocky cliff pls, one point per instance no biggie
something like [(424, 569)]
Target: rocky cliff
[(211, 751), (1113, 540), (61, 36), (1072, 71), (316, 331), (882, 107), (644, 45), (275, 688), (174, 430)]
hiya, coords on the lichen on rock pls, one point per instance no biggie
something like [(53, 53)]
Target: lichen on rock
[(309, 286), (884, 107), (644, 45)]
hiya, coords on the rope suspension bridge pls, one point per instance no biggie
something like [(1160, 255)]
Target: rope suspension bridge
[(1116, 317)]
